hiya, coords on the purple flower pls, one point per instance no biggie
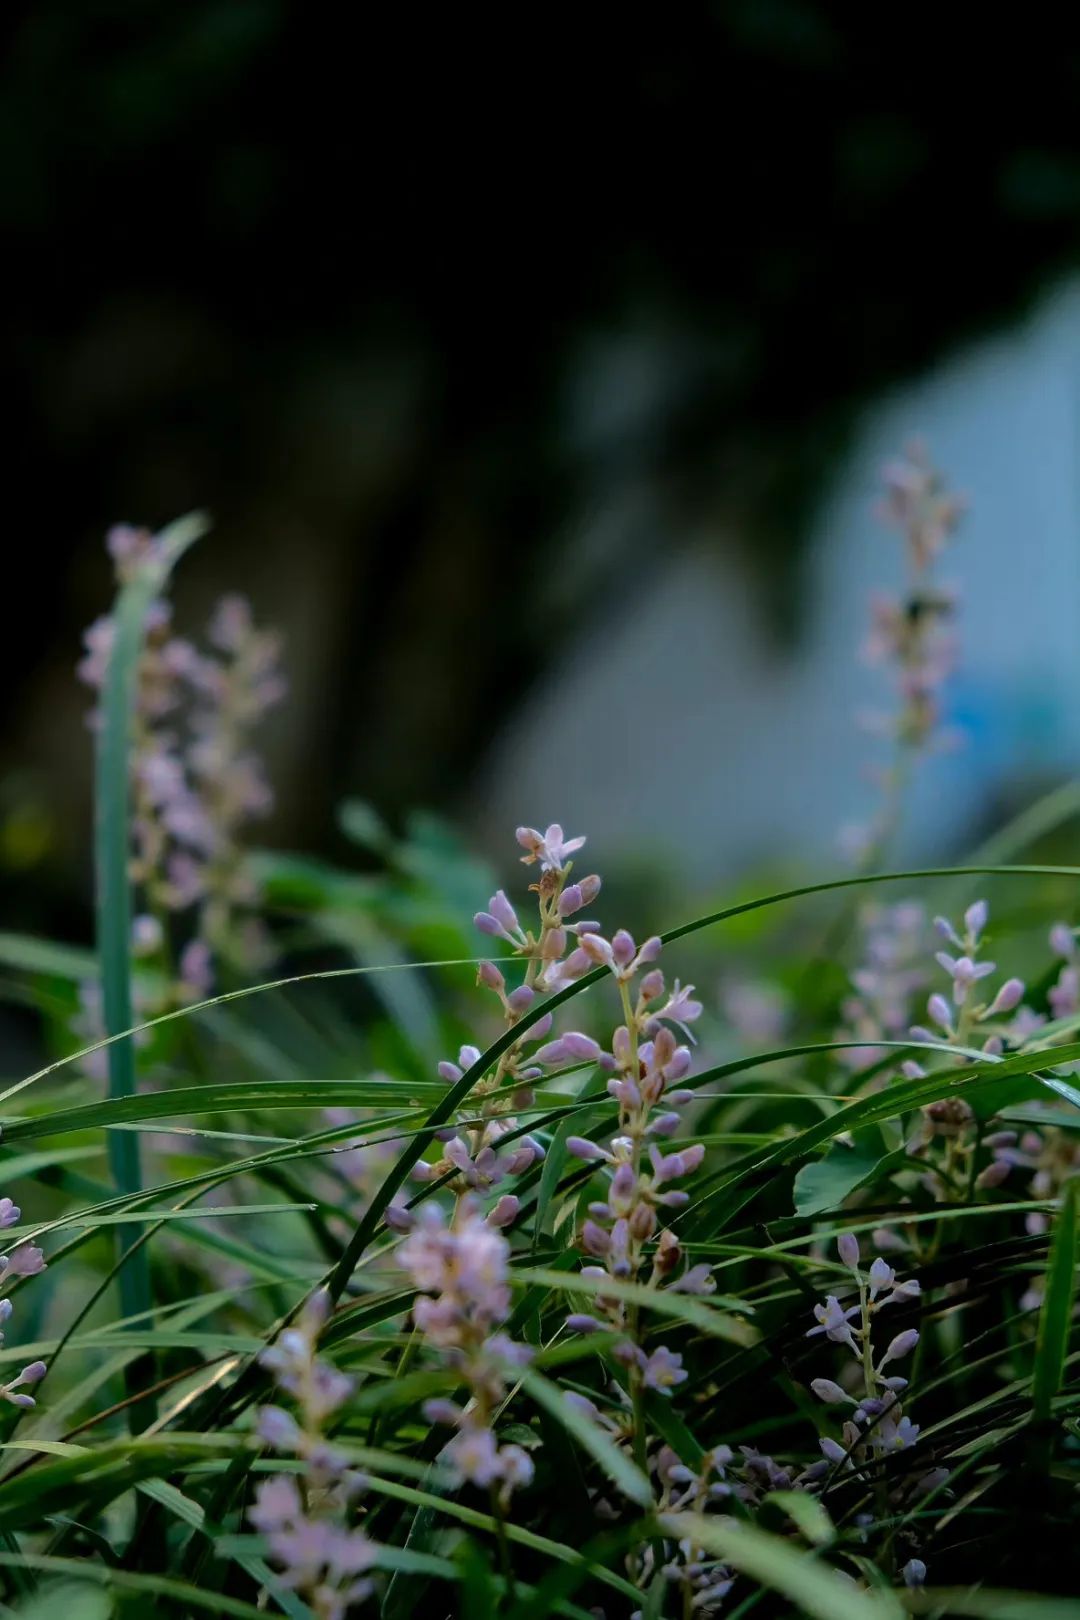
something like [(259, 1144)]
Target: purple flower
[(834, 1321), (550, 847), (663, 1370), (278, 1428), (964, 973), (697, 1280), (473, 1455), (25, 1261)]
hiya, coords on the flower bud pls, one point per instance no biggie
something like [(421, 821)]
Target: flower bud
[(938, 1008), (1009, 996), (847, 1245), (579, 1322), (826, 1390), (594, 1240), (582, 1148), (505, 1211), (976, 917), (902, 1345), (489, 976)]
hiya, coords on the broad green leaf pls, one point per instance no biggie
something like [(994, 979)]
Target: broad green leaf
[(823, 1184)]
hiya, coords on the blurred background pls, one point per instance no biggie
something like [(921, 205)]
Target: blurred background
[(537, 372)]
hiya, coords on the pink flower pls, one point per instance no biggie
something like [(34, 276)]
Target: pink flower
[(550, 847)]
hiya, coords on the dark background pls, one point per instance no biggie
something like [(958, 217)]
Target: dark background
[(335, 273)]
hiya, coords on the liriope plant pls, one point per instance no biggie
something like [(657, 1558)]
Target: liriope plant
[(609, 1313)]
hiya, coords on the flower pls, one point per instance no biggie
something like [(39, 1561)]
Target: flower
[(550, 847), (663, 1370), (464, 1264)]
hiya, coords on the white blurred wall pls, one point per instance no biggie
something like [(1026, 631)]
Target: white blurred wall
[(679, 723)]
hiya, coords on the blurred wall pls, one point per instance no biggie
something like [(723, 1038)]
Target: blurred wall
[(678, 722)]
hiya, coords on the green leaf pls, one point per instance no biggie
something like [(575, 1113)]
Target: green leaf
[(27, 954), (361, 823), (218, 1098), (986, 1604), (664, 1301), (150, 1585), (797, 1575), (806, 1513), (457, 1093), (1055, 1317), (553, 1551), (825, 1183), (191, 1513), (72, 1600), (590, 1436)]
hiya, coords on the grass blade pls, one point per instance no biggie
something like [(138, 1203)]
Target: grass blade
[(1055, 1317)]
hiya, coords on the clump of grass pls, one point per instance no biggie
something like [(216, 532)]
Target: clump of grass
[(612, 1313)]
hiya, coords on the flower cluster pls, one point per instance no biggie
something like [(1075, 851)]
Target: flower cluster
[(489, 1149), (624, 1229), (962, 1019), (25, 1261), (891, 972), (196, 783), (1049, 1155), (911, 634), (876, 1427), (305, 1519), (461, 1269), (704, 1581)]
